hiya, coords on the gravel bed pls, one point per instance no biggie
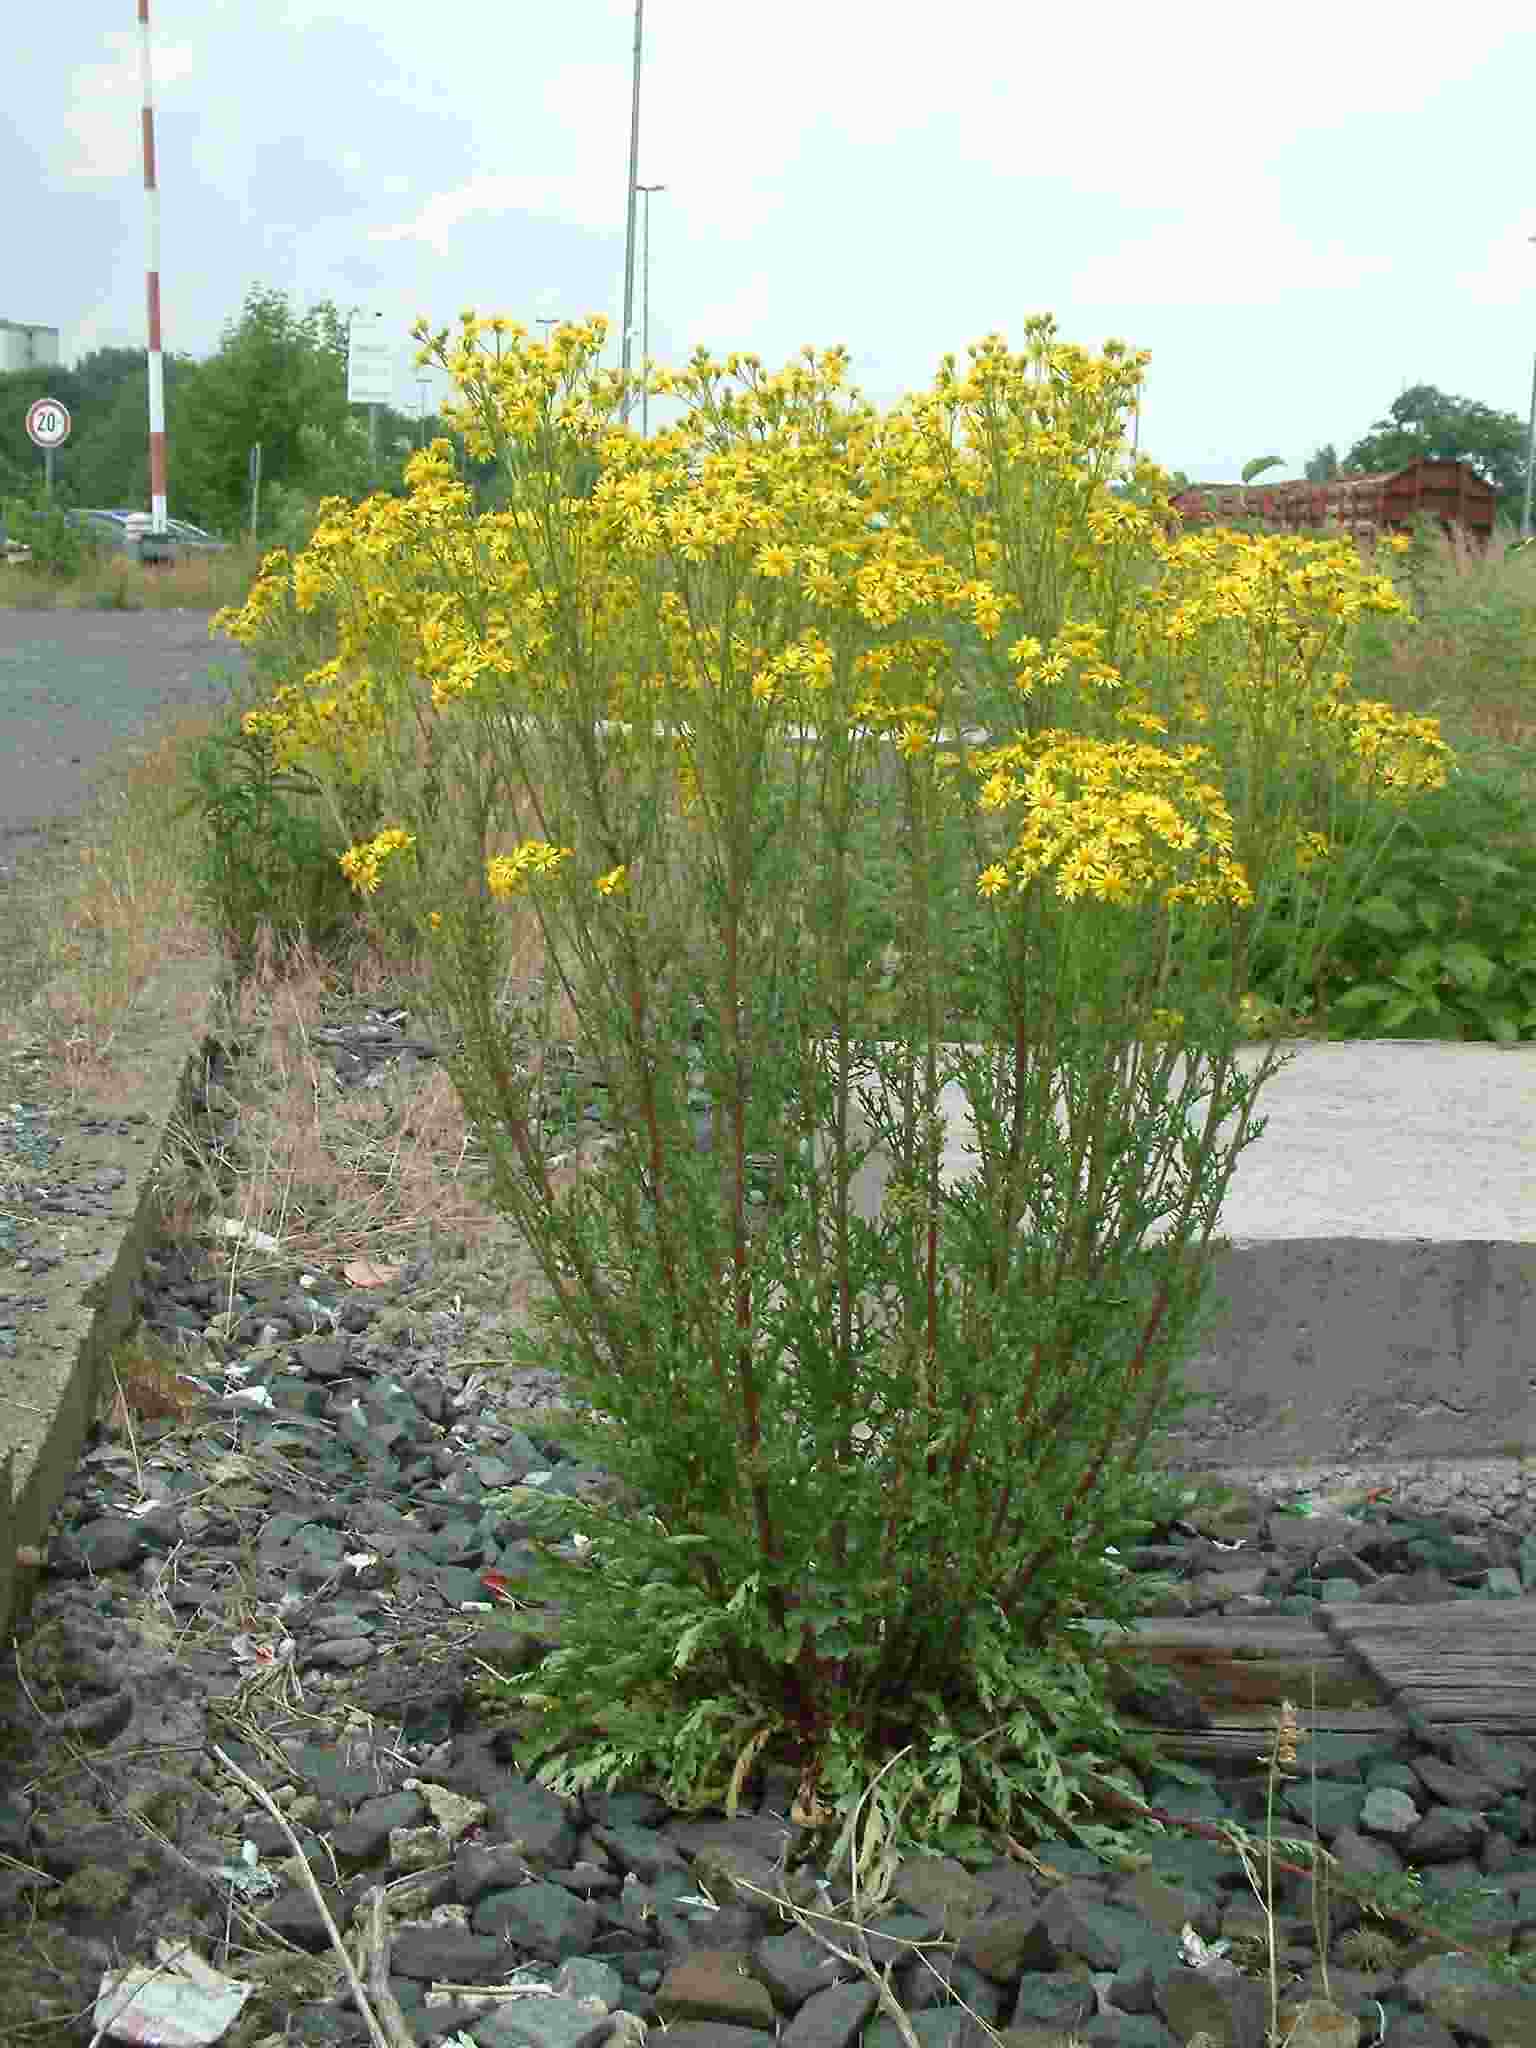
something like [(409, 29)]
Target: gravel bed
[(295, 1571)]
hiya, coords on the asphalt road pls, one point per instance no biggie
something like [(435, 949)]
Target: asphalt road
[(76, 689)]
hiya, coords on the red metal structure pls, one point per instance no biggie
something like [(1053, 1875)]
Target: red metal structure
[(1390, 501)]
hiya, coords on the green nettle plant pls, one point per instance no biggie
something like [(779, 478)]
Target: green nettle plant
[(1438, 939), (838, 757), (268, 858)]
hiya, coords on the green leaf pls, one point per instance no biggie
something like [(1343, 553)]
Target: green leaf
[(1397, 1014), (1500, 1025), (1488, 864), (1431, 915), (1362, 995), (1257, 467), (1382, 914), (689, 1641), (1468, 967), (1420, 964)]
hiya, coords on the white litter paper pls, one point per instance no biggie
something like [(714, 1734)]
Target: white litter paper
[(181, 2003), (1205, 1955), (246, 1233)]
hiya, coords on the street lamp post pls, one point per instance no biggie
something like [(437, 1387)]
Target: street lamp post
[(629, 226), (1530, 456), (645, 305)]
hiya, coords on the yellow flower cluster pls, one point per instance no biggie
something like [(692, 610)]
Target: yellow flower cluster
[(1114, 820), (787, 554), (339, 715), (510, 874), (363, 864), (1076, 654), (1287, 595), (1397, 754), (247, 622)]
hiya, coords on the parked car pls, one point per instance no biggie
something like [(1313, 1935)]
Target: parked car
[(131, 533), (194, 540), (108, 530)]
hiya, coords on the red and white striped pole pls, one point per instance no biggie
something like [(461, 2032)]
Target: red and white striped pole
[(156, 359)]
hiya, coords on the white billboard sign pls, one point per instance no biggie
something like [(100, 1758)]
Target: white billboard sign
[(370, 369)]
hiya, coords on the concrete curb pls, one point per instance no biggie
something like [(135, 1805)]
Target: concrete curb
[(94, 1218)]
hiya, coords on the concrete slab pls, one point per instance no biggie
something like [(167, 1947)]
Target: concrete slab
[(1378, 1279), (80, 1199)]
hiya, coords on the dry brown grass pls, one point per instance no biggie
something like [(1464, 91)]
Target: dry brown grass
[(141, 1384), (106, 914), (331, 1173), (110, 582)]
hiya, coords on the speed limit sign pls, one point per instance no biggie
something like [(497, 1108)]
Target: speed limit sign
[(48, 422)]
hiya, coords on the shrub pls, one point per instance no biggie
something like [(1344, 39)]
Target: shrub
[(60, 549), (269, 853), (861, 774), (1443, 944)]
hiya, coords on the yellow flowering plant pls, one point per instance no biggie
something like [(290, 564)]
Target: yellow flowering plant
[(883, 788)]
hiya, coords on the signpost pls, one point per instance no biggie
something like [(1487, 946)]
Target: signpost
[(253, 470), (48, 425), (370, 374)]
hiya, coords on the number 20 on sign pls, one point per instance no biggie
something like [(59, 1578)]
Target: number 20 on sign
[(48, 424)]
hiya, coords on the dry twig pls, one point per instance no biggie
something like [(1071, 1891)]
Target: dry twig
[(381, 2033)]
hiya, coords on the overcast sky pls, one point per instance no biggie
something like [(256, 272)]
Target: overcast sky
[(1298, 208)]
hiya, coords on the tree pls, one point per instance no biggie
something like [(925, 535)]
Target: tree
[(1428, 423), (275, 372), (111, 462), (278, 377), (21, 465), (1322, 467), (105, 461)]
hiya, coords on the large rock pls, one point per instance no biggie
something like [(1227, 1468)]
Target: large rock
[(715, 1984), (1459, 1992), (1232, 2010), (828, 2019)]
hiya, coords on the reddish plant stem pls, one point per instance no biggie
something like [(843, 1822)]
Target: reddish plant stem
[(1093, 1470), (730, 1033)]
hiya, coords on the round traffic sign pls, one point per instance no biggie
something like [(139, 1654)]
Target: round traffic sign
[(48, 422)]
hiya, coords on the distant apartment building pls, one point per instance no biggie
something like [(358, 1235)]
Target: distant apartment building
[(24, 347)]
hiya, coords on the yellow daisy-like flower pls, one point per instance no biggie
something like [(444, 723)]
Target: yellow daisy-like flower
[(509, 874), (992, 881), (362, 864), (614, 883)]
